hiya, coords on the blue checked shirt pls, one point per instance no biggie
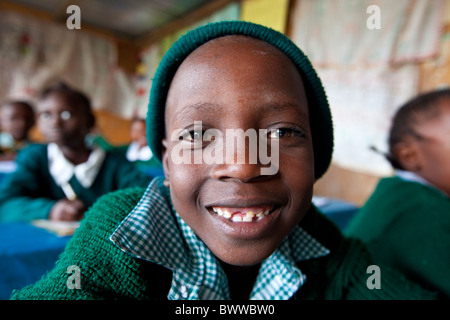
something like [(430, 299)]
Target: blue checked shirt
[(153, 231)]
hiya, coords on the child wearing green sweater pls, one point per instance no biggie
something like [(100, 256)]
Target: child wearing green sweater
[(405, 223), (230, 219), (61, 179)]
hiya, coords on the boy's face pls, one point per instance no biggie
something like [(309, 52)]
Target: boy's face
[(62, 122), (17, 120), (229, 83), (433, 150), (138, 132)]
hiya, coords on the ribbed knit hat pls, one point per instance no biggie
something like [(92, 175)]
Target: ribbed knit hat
[(320, 116)]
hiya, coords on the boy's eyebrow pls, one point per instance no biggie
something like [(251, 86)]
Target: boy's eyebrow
[(195, 108)]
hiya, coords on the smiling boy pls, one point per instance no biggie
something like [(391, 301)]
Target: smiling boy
[(224, 230)]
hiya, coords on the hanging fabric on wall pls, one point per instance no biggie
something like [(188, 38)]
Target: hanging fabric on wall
[(436, 73), (363, 102), (35, 53), (336, 33), (367, 73)]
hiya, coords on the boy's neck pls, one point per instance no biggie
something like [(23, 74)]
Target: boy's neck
[(76, 155), (240, 280)]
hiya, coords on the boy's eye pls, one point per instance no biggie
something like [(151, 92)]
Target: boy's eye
[(191, 136), (66, 115), (45, 116), (196, 136), (285, 133)]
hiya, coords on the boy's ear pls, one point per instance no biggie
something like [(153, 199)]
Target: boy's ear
[(408, 155), (165, 163)]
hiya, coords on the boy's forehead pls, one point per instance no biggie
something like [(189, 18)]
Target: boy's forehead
[(245, 56), (229, 45)]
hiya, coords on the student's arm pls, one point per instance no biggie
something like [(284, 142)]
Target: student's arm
[(23, 194), (420, 240)]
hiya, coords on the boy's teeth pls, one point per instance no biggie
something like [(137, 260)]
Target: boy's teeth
[(237, 219), (226, 214), (248, 217)]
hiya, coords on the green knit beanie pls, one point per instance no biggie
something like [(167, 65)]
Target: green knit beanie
[(320, 116)]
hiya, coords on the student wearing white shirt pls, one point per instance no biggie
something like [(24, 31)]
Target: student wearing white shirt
[(61, 180)]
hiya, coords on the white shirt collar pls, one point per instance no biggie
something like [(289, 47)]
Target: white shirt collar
[(62, 169), (134, 152), (411, 176)]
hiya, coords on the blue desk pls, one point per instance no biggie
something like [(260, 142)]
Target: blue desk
[(26, 253), (338, 211)]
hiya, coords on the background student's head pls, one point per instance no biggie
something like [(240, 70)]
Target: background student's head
[(419, 138), (17, 119), (138, 131), (64, 115)]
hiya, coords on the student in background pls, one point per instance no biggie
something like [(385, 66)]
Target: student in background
[(59, 181), (406, 221), (16, 121), (221, 229), (137, 151)]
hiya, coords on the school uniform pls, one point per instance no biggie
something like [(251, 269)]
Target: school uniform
[(406, 224), (133, 245), (43, 176)]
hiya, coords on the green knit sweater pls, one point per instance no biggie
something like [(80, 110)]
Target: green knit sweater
[(109, 273), (407, 225)]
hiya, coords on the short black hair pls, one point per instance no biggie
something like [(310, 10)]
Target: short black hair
[(422, 107), (22, 103), (78, 97)]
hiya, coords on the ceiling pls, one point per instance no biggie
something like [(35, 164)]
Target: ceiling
[(127, 18)]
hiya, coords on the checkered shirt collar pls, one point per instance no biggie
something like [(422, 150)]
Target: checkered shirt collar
[(153, 231)]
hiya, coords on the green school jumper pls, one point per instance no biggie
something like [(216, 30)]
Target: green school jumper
[(406, 225), (30, 192), (107, 272)]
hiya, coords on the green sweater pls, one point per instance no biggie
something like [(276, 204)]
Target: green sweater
[(30, 192), (109, 273), (407, 225)]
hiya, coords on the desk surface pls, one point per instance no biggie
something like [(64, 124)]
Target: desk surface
[(338, 211), (26, 253)]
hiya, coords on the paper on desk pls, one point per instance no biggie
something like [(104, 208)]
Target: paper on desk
[(61, 228)]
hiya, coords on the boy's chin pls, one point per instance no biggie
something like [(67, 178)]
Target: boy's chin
[(245, 256)]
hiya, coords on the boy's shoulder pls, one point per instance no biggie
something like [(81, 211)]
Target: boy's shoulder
[(32, 154), (34, 148), (115, 206)]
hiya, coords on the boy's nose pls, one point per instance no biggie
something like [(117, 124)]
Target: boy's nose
[(236, 171), (55, 121), (238, 165)]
